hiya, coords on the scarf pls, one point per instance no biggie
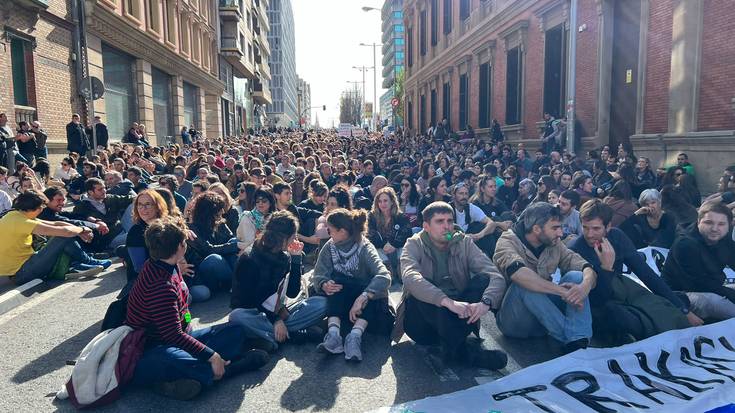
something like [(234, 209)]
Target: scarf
[(345, 261), (258, 219)]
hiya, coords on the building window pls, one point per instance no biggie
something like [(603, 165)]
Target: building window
[(446, 100), (21, 58), (484, 95), (397, 15), (169, 21), (422, 114), (162, 111), (398, 42), (184, 34), (432, 108), (555, 63), (463, 101), (132, 8), (514, 86), (422, 33), (434, 21), (409, 114), (191, 105), (205, 51), (398, 28), (399, 55), (120, 97), (464, 9), (195, 44), (447, 16), (409, 39), (154, 16)]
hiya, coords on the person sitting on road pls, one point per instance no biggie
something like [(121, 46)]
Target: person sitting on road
[(363, 199), (571, 225), (214, 250), (697, 259), (19, 225), (108, 208), (448, 285), (179, 362), (388, 228), (620, 306), (253, 222), (473, 221), (352, 276), (54, 211), (650, 226), (265, 277), (528, 254)]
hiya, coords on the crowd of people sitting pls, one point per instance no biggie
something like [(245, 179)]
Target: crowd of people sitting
[(467, 228)]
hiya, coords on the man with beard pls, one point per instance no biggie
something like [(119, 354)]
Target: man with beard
[(528, 254)]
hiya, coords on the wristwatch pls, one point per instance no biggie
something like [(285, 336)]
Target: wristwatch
[(487, 301), (365, 294)]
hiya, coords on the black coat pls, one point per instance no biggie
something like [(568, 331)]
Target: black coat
[(692, 265), (258, 275), (76, 138), (209, 241), (400, 231)]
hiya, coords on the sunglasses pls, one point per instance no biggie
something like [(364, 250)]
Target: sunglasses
[(508, 177), (261, 201), (405, 185)]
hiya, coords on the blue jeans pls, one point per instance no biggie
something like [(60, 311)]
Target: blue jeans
[(212, 272), (40, 264), (526, 314), (304, 314), (163, 363), (126, 220)]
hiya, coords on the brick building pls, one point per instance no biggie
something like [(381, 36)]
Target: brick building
[(653, 73), (158, 60)]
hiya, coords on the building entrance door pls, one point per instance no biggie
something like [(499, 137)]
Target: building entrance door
[(624, 68)]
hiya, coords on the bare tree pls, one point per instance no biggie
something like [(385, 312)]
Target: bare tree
[(350, 106)]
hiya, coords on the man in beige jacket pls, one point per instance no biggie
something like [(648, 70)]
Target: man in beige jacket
[(528, 254), (448, 285)]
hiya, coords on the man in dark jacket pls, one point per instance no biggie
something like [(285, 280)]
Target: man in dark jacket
[(101, 132), (364, 197), (697, 260), (76, 138), (54, 212), (107, 208), (620, 306)]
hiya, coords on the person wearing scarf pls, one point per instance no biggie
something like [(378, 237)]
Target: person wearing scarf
[(355, 281), (252, 222)]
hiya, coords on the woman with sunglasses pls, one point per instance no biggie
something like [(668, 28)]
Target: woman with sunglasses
[(67, 172), (409, 200), (253, 222)]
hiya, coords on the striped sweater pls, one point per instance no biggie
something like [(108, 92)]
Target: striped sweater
[(158, 304)]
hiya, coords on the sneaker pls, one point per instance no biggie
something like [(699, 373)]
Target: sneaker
[(353, 347), (83, 270), (575, 345), (183, 389), (260, 344), (332, 344), (489, 359), (252, 360), (100, 255), (308, 335), (102, 263)]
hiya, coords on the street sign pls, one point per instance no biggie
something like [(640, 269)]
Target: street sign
[(98, 88), (394, 102)]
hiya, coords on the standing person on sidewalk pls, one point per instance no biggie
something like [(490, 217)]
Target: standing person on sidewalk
[(76, 138)]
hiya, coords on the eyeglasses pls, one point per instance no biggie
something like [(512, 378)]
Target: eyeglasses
[(64, 164), (508, 177), (678, 174), (146, 205), (406, 185), (262, 201)]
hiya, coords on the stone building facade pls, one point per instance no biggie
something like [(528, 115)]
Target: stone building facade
[(158, 61), (652, 73)]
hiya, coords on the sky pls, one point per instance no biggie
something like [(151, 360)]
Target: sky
[(328, 36)]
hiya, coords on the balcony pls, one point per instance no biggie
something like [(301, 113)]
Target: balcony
[(261, 93), (263, 70), (234, 55), (34, 4), (229, 10)]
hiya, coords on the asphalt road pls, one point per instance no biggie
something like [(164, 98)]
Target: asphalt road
[(53, 326)]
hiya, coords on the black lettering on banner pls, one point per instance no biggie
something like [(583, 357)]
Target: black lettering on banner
[(586, 395), (714, 368), (699, 341), (665, 374), (726, 344), (651, 385), (524, 393)]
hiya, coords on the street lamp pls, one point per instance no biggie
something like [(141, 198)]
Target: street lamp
[(366, 8), (375, 79)]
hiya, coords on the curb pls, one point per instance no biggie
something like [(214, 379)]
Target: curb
[(18, 295)]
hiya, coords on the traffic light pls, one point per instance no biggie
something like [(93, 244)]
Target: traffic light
[(324, 107)]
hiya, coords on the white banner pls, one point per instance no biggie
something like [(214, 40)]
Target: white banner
[(691, 370), (344, 130)]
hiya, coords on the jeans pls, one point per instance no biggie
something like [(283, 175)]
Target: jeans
[(393, 259), (162, 363), (211, 273), (304, 314), (40, 264), (126, 220), (526, 314), (428, 324), (711, 305)]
